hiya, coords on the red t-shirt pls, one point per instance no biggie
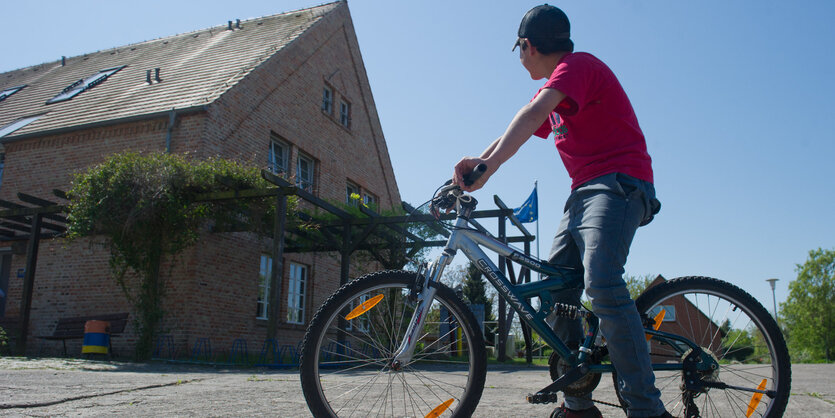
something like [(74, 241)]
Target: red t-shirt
[(595, 128)]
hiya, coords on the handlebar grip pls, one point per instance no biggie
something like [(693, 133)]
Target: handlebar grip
[(471, 178)]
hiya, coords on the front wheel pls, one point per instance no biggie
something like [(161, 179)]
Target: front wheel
[(743, 341), (346, 364)]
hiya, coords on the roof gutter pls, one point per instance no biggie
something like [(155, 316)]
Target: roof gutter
[(110, 122)]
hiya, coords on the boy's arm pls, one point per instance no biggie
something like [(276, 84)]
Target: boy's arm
[(523, 125)]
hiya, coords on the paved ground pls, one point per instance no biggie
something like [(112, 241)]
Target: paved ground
[(61, 387)]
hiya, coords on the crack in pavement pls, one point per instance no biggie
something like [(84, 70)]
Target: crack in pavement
[(95, 395)]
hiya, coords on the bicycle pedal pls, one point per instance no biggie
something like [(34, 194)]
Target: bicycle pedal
[(541, 398)]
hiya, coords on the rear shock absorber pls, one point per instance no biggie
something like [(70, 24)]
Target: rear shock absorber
[(565, 310)]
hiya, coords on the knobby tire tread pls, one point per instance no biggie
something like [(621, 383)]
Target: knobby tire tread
[(659, 292)]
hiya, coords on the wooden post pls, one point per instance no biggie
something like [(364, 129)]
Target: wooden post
[(29, 281), (526, 330), (345, 252), (504, 327), (277, 266)]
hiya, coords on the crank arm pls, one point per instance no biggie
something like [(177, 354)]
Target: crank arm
[(568, 378)]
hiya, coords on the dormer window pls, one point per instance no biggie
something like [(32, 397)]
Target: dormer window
[(84, 84), (8, 92)]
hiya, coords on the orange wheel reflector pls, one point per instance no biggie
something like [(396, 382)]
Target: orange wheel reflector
[(755, 400), (364, 307), (658, 319), (440, 409)]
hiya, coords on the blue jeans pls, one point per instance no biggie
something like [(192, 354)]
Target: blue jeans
[(599, 221)]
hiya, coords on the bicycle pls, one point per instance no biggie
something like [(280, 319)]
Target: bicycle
[(399, 343)]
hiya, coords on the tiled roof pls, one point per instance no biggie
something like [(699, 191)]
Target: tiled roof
[(196, 68)]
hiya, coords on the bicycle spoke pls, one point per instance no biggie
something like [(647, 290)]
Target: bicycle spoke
[(354, 369), (737, 336)]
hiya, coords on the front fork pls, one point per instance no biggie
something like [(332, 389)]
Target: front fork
[(425, 296)]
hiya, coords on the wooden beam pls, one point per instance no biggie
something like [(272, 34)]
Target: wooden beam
[(60, 194), (434, 226), (277, 268), (515, 221), (14, 226), (29, 282), (239, 194), (278, 181), (24, 211), (34, 200)]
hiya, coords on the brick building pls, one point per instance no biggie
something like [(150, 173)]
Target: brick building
[(287, 92), (682, 317)]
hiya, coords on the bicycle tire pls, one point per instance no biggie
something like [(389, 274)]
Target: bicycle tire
[(740, 334), (348, 372)]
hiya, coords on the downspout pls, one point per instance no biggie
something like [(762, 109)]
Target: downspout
[(171, 119)]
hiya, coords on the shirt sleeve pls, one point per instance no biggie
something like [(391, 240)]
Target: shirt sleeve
[(543, 130), (572, 77)]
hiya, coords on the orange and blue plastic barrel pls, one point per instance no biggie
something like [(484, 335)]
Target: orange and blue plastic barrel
[(96, 337)]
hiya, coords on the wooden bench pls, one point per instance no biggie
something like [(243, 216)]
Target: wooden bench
[(73, 328)]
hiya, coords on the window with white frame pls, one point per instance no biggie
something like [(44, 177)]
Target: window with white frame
[(327, 100), (305, 168), (369, 199), (669, 312), (345, 113), (297, 289), (264, 278), (278, 157), (352, 192)]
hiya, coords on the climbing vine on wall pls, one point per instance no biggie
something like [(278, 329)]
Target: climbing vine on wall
[(145, 208)]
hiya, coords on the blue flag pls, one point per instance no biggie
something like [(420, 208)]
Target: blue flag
[(529, 211)]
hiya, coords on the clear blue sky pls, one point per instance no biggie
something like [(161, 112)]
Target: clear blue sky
[(735, 99)]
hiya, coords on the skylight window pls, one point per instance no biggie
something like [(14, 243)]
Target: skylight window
[(8, 92), (18, 124), (80, 86)]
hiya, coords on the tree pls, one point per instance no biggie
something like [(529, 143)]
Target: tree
[(638, 284), (808, 314)]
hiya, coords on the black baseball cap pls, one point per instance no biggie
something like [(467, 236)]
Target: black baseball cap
[(544, 23)]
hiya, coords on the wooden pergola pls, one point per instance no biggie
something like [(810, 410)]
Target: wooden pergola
[(29, 224), (386, 238)]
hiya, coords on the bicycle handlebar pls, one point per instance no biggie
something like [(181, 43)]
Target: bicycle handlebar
[(477, 172)]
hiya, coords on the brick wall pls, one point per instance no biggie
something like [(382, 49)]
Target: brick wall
[(212, 288)]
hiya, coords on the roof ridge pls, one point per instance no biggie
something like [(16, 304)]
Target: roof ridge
[(178, 35), (265, 56)]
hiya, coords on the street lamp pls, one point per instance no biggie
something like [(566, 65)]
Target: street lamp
[(773, 282)]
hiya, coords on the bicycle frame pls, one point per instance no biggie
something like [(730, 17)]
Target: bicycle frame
[(469, 241)]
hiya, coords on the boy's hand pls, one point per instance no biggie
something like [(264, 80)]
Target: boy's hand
[(465, 167)]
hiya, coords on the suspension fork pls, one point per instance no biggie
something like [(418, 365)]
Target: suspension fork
[(424, 300)]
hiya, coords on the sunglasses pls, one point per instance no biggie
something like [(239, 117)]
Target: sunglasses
[(520, 42)]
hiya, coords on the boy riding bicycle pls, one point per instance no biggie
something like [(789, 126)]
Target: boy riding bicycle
[(604, 151)]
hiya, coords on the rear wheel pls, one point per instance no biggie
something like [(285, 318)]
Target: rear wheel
[(735, 331), (346, 364)]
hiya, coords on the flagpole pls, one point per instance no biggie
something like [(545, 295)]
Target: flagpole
[(535, 182)]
